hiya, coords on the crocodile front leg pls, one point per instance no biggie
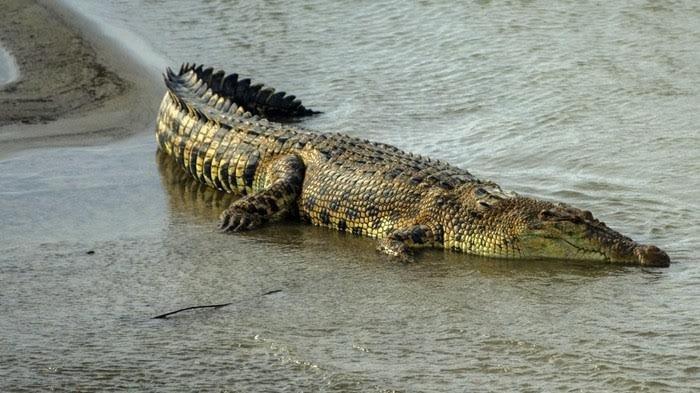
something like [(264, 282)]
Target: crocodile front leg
[(400, 242), (284, 180)]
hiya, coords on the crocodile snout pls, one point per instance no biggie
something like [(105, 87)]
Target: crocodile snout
[(652, 256)]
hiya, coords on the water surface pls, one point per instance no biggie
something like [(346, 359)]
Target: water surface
[(8, 67), (591, 104)]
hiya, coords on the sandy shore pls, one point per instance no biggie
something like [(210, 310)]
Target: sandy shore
[(75, 87)]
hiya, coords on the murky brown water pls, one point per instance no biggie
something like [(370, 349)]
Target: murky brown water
[(595, 105)]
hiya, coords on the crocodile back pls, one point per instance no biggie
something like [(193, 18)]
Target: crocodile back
[(205, 122), (370, 188)]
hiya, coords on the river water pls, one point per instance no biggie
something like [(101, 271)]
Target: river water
[(8, 67), (592, 104)]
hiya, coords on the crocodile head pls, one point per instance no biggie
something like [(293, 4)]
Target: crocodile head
[(561, 231), (515, 226)]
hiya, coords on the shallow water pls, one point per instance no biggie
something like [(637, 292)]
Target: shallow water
[(594, 105), (8, 67)]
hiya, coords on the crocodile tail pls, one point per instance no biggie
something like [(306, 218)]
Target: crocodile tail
[(254, 98)]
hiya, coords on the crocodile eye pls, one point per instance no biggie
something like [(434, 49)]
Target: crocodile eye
[(546, 215), (559, 216), (576, 219), (480, 192)]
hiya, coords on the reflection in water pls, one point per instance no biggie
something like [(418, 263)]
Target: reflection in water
[(188, 197), (535, 268), (200, 205)]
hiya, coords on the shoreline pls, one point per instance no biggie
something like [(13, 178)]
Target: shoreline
[(76, 85)]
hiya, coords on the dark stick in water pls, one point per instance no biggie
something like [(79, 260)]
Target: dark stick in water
[(167, 314), (163, 316)]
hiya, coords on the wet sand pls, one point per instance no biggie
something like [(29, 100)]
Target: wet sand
[(75, 87)]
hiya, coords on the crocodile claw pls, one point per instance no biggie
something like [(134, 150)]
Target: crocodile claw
[(396, 250), (236, 219)]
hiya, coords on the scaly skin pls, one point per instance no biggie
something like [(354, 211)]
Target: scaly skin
[(219, 129)]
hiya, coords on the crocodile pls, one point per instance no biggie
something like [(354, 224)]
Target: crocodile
[(244, 138)]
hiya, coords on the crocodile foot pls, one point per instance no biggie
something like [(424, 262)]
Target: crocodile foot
[(237, 218), (396, 249)]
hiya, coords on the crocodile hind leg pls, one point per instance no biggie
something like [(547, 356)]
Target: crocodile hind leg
[(400, 242), (284, 179)]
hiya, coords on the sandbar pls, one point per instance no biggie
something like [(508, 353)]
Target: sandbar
[(74, 85)]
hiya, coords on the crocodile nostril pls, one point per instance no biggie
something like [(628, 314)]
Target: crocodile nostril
[(652, 256)]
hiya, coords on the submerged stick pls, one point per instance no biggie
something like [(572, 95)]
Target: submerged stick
[(167, 314), (163, 316)]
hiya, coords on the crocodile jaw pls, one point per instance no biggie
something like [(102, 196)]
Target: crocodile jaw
[(563, 246), (565, 232), (522, 227)]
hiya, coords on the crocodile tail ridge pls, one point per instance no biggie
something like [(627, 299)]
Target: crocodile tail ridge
[(171, 83), (257, 99)]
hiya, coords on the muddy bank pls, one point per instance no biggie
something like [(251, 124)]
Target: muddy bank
[(74, 87)]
